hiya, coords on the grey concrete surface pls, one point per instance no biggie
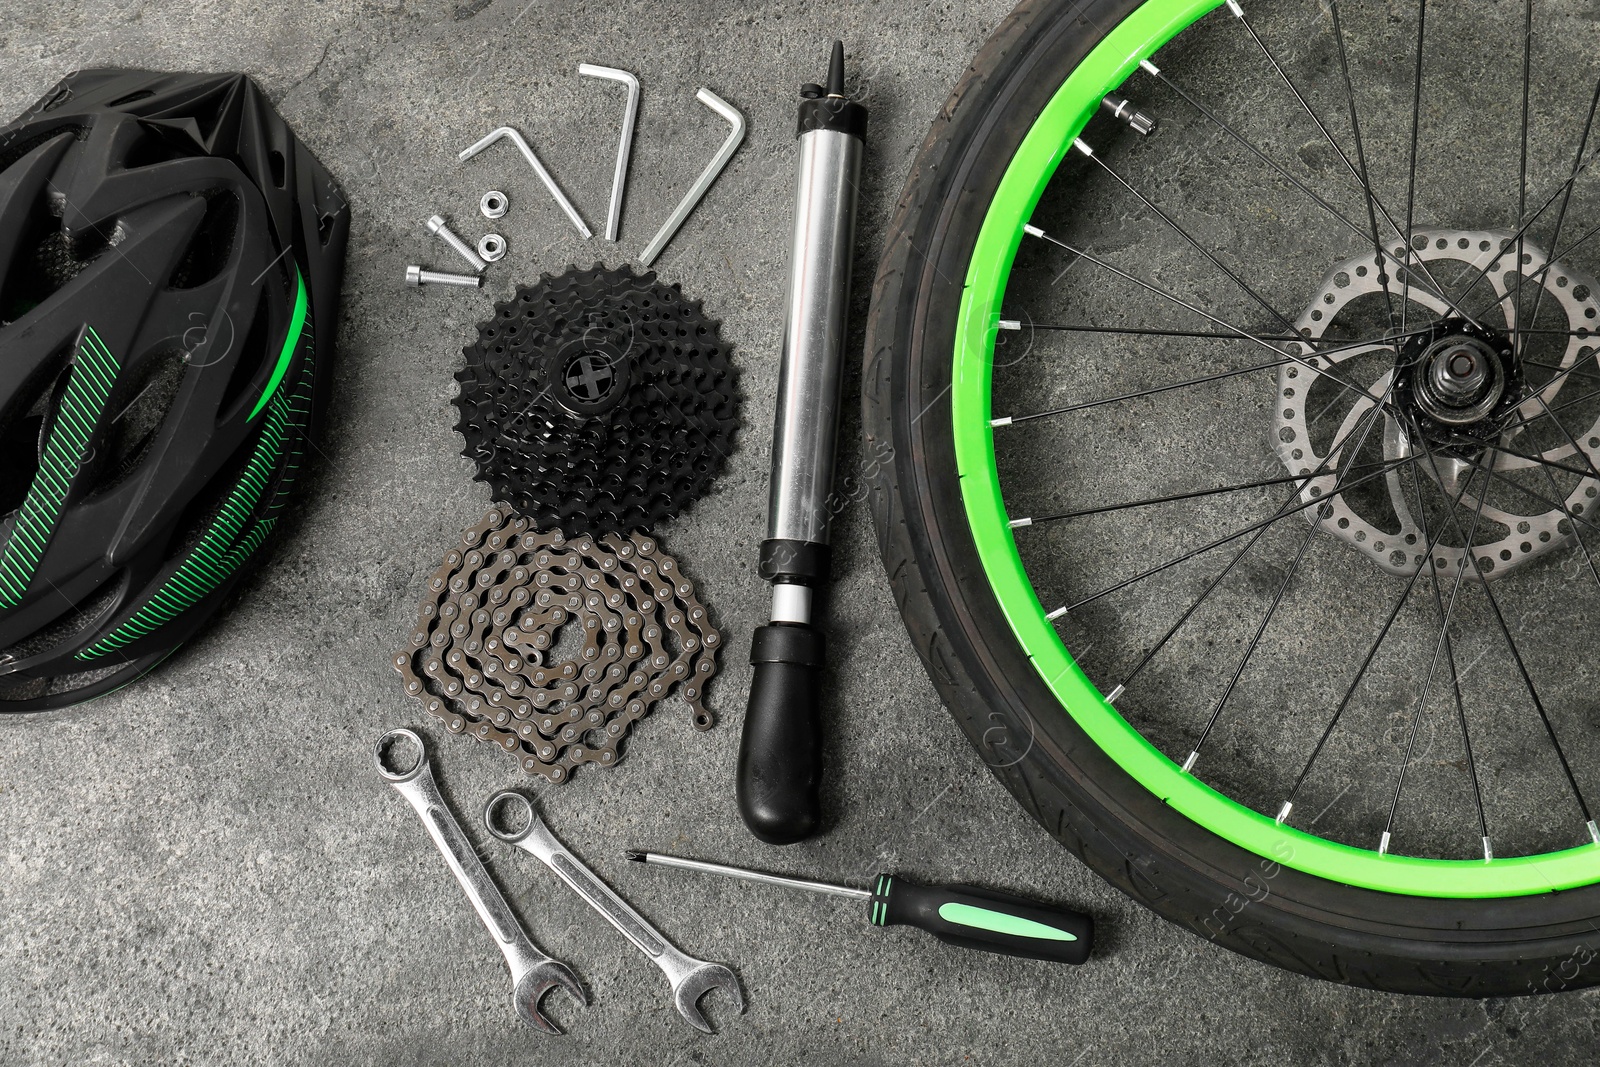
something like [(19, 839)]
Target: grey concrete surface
[(205, 868)]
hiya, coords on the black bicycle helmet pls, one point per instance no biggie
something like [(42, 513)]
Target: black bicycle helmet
[(170, 262)]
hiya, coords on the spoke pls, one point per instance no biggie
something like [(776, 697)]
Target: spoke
[(1516, 655), (1522, 164), (1543, 462), (1140, 331), (1366, 663), (1191, 495), (1239, 556), (1008, 420), (1416, 132), (1255, 640), (1553, 505), (1515, 239), (1549, 410), (1082, 147), (1573, 371), (1141, 576), (1559, 254), (1372, 197), (1372, 419), (1361, 161), (1455, 675), (1176, 299), (1566, 196), (1556, 491), (1245, 143), (1467, 560)]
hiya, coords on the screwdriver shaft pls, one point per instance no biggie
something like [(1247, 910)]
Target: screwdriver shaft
[(750, 876)]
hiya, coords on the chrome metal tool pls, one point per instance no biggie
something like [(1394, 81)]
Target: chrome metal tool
[(702, 184), (533, 974), (691, 978), (780, 756)]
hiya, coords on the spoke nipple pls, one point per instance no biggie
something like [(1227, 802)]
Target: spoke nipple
[(1594, 832), (1383, 845), (1083, 146), (1004, 421), (1283, 812), (1031, 230), (1149, 67), (1238, 12), (1009, 324), (1056, 614), (1017, 524), (1111, 697), (1188, 764), (1488, 851)]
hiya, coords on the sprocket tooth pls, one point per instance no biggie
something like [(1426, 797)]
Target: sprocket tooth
[(653, 448)]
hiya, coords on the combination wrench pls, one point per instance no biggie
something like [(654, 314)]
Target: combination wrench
[(691, 978), (533, 974)]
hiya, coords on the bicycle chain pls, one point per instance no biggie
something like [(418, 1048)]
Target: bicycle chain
[(477, 656)]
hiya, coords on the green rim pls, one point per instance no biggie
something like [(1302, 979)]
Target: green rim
[(1112, 61)]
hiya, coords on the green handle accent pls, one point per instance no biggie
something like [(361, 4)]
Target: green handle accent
[(975, 917), (1000, 922)]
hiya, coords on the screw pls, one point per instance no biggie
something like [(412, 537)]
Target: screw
[(416, 277), (436, 226)]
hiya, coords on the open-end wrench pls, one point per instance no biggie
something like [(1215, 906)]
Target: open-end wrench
[(533, 974), (691, 978)]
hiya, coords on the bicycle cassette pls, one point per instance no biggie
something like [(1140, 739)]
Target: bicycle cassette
[(598, 401), (484, 656)]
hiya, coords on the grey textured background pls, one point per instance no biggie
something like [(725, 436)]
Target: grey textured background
[(205, 868)]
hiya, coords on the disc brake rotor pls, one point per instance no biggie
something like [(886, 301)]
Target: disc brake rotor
[(481, 658), (1382, 525)]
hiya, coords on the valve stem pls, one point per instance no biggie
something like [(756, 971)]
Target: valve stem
[(1123, 108)]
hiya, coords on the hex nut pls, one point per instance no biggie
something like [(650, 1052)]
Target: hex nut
[(494, 204), (492, 247)]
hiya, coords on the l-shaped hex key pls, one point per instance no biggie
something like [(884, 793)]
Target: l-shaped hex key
[(507, 133), (619, 179), (703, 183)]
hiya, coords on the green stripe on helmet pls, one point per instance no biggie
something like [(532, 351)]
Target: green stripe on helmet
[(93, 374)]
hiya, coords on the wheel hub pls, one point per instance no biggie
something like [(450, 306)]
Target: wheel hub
[(1458, 383), (1456, 395)]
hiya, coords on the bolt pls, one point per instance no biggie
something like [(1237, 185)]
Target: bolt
[(436, 226), (416, 277)]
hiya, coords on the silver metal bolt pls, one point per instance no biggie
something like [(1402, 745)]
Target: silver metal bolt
[(417, 277), (437, 227)]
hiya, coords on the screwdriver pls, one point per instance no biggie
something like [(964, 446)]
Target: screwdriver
[(963, 915)]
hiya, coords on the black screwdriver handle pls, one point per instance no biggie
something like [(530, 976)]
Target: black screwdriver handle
[(974, 917), (780, 752)]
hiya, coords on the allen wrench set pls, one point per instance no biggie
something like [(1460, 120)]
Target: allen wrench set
[(494, 204)]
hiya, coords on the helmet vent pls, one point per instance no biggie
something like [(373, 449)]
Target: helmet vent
[(279, 170), (124, 101), (56, 258), (138, 409), (22, 433), (211, 247)]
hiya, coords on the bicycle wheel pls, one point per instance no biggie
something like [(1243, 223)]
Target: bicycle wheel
[(1236, 479)]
